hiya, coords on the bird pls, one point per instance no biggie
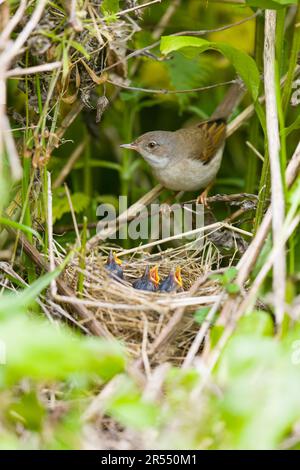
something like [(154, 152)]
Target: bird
[(188, 159), (113, 266), (149, 281), (173, 282)]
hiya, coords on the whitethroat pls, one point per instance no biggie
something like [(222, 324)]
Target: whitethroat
[(188, 159)]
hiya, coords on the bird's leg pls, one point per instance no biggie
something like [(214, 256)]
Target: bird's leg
[(202, 198)]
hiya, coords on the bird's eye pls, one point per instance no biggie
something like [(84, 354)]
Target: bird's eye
[(152, 144)]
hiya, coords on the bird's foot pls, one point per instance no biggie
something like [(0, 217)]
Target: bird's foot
[(202, 199)]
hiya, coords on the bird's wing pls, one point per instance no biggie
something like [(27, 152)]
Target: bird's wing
[(205, 139)]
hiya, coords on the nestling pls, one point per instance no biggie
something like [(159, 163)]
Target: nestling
[(173, 282), (149, 281), (113, 266)]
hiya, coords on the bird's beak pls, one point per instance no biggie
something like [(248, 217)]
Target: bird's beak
[(178, 277), (154, 275), (128, 146), (117, 260)]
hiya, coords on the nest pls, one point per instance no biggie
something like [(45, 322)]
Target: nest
[(137, 318)]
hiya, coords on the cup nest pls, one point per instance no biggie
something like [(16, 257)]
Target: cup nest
[(138, 318)]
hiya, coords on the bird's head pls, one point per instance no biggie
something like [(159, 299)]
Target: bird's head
[(156, 147)]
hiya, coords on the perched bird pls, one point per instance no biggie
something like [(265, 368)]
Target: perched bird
[(149, 281), (172, 283), (113, 266), (189, 158)]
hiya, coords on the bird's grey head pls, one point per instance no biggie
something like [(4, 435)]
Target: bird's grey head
[(156, 147)]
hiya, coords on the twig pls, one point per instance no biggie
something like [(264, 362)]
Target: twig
[(50, 234), (201, 334), (138, 7), (15, 165), (277, 195), (18, 71), (14, 48), (12, 23), (169, 92), (254, 150)]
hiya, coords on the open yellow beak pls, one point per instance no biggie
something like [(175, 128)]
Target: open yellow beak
[(178, 277), (117, 260), (154, 275)]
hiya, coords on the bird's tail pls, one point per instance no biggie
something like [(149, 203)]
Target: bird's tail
[(230, 101)]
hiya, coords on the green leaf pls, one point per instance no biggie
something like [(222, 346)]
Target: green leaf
[(130, 409), (230, 274), (201, 314), (295, 125), (187, 74), (232, 288), (21, 227), (41, 351), (80, 202), (79, 47), (270, 4), (242, 62), (110, 6), (257, 323)]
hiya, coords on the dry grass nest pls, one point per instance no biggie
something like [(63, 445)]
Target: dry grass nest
[(136, 318)]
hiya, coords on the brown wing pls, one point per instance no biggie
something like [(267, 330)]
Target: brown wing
[(203, 141), (212, 136)]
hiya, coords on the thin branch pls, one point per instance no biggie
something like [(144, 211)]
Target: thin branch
[(11, 51), (170, 92), (18, 71), (12, 23), (138, 7)]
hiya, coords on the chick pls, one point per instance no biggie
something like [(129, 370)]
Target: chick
[(172, 283), (149, 281), (113, 266)]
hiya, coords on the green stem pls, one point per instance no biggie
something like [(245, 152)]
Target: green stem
[(292, 63), (252, 162)]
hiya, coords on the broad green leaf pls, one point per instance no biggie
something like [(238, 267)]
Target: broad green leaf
[(41, 351), (130, 409), (257, 323), (242, 62), (186, 74), (261, 400)]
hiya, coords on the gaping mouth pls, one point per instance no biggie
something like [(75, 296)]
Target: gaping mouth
[(178, 277), (154, 275), (117, 260)]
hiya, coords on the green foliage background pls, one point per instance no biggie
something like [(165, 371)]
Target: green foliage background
[(255, 401)]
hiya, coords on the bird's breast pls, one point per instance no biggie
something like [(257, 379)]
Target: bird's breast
[(189, 174)]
